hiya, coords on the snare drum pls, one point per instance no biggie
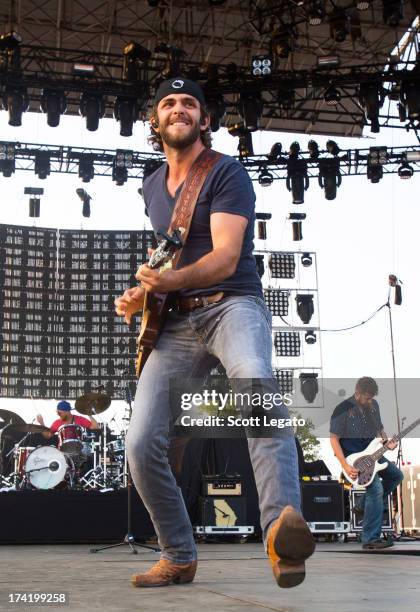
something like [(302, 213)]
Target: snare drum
[(21, 455), (47, 467), (70, 439)]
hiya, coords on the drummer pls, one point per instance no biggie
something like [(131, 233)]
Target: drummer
[(66, 418)]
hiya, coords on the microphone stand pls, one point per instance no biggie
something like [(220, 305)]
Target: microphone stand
[(129, 539)]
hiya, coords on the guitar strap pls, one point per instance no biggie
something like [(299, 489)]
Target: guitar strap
[(187, 200)]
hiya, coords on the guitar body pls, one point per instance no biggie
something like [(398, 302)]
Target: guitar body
[(366, 464), (155, 308)]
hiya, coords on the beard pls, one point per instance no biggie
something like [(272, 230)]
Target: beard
[(181, 141)]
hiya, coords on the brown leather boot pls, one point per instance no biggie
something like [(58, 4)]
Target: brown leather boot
[(289, 543), (164, 572)]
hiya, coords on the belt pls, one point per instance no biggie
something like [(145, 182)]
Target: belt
[(187, 304)]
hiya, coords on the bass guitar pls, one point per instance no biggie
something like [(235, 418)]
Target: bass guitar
[(155, 305), (366, 462)]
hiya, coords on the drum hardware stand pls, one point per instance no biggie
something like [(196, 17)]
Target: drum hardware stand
[(129, 538)]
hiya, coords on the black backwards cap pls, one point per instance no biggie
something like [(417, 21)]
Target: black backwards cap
[(179, 85)]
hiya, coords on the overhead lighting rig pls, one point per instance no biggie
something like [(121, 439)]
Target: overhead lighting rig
[(53, 104), (371, 100), (92, 108), (297, 180), (7, 159)]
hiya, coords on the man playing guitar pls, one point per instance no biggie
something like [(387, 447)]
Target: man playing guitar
[(218, 314), (354, 424)]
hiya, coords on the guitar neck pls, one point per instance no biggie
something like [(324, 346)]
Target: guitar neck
[(380, 452)]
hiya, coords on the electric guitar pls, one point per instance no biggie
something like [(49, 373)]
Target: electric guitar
[(155, 305), (367, 461)]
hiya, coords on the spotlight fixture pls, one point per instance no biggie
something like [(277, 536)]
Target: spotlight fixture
[(392, 12), (122, 161), (332, 96), (282, 265), (16, 101), (328, 61), (216, 109), (339, 25), (259, 261), (42, 164), (309, 386), (371, 99), (282, 43), (250, 108), (275, 153), (332, 147), (265, 178), (262, 65), (245, 148), (316, 13), (262, 219), (10, 41), (286, 97), (306, 260), (310, 336), (34, 201), (313, 149), (86, 198), (86, 168), (329, 176), (10, 58), (412, 156), (287, 344), (410, 96), (363, 5), (305, 306), (7, 159), (135, 56), (54, 104), (297, 180), (297, 219), (377, 157), (92, 107), (405, 171), (126, 111)]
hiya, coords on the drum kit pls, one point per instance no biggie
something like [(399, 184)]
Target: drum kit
[(83, 459)]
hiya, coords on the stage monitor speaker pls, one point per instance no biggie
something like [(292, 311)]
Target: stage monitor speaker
[(323, 501), (356, 499)]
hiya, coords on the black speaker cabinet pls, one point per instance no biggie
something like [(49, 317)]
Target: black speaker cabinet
[(322, 501)]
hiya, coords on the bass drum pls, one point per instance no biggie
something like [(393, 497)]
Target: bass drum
[(47, 467)]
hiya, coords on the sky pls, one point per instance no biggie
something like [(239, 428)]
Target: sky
[(368, 232)]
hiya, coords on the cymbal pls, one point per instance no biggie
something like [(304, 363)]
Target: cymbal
[(30, 428), (92, 403), (6, 417)]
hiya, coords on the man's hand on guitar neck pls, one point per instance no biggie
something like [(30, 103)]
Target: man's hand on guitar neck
[(129, 303)]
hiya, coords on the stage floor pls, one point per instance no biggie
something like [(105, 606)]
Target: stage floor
[(231, 577)]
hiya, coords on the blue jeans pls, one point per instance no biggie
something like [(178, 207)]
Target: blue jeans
[(375, 500), (237, 332)]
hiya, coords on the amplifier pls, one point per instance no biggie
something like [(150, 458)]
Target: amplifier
[(224, 512), (356, 496), (222, 485), (411, 497), (323, 502)]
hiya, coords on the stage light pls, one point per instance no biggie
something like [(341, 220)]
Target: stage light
[(11, 40), (259, 261), (126, 111), (81, 69), (250, 108), (245, 147), (339, 25), (371, 99), (262, 219), (313, 149), (265, 178), (316, 13), (261, 65), (287, 344), (392, 12), (92, 107), (309, 386), (332, 147), (54, 104), (42, 164), (306, 260), (275, 153), (216, 109), (16, 101), (282, 265), (310, 337), (332, 96), (329, 176), (412, 156), (297, 219), (305, 306), (286, 97), (135, 56), (277, 302), (285, 380), (122, 161), (363, 5), (377, 157), (297, 180), (34, 207), (7, 159), (328, 61), (405, 171), (281, 43), (86, 198), (86, 168), (410, 97)]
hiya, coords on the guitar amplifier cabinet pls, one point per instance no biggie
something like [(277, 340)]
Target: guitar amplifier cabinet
[(222, 485), (323, 502), (411, 498), (356, 496)]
